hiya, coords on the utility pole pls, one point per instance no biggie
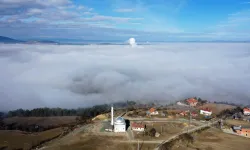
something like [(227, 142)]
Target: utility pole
[(138, 145), (221, 123), (127, 107), (190, 116)]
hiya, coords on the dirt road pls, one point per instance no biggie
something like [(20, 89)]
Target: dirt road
[(180, 120), (187, 131), (130, 134)]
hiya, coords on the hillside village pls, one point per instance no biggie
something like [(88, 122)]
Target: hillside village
[(152, 122), (156, 125)]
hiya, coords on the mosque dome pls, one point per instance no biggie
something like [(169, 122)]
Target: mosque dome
[(119, 120)]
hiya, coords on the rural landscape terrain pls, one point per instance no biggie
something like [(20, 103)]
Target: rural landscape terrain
[(124, 74), (177, 126)]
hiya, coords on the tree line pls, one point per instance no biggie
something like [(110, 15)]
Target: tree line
[(228, 103), (229, 112), (1, 118), (48, 112), (83, 112)]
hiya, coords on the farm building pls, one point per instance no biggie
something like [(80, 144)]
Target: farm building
[(163, 114), (192, 102), (152, 111), (184, 113), (244, 131), (181, 104), (246, 111), (138, 126), (237, 115), (194, 114), (206, 112)]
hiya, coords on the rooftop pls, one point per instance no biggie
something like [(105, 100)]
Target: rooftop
[(206, 109), (241, 127), (138, 125), (119, 120), (152, 110), (192, 100), (246, 109)]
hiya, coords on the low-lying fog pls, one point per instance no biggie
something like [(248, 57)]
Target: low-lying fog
[(72, 76)]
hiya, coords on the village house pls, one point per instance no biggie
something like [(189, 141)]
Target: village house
[(138, 127), (186, 113), (194, 114), (244, 131), (181, 104), (206, 112), (192, 102), (237, 115), (152, 111), (246, 111), (163, 114)]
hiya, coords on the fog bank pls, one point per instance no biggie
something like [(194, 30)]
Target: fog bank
[(72, 76)]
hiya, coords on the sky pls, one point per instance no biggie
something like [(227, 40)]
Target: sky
[(72, 76), (145, 20)]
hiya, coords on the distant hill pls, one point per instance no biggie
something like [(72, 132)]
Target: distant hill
[(9, 40), (4, 39), (42, 41)]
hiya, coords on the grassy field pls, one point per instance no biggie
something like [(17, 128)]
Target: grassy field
[(22, 140), (168, 129), (41, 121), (91, 142), (214, 139), (237, 122)]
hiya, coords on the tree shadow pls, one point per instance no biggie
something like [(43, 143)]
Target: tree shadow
[(127, 123)]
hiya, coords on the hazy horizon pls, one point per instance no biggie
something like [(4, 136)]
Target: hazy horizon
[(67, 41), (71, 76)]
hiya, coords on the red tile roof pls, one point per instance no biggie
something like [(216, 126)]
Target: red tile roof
[(137, 125), (192, 100), (246, 109), (207, 109), (151, 110), (183, 113)]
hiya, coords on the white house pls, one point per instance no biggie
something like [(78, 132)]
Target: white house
[(153, 111), (246, 111), (206, 112), (138, 127), (119, 125), (181, 104), (192, 102)]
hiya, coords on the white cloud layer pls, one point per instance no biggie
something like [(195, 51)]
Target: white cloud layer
[(79, 76)]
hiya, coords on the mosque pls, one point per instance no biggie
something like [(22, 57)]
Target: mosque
[(119, 124)]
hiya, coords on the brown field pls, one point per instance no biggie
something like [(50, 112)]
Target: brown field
[(237, 122), (214, 139), (41, 121), (217, 108), (22, 140), (168, 129), (100, 143)]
